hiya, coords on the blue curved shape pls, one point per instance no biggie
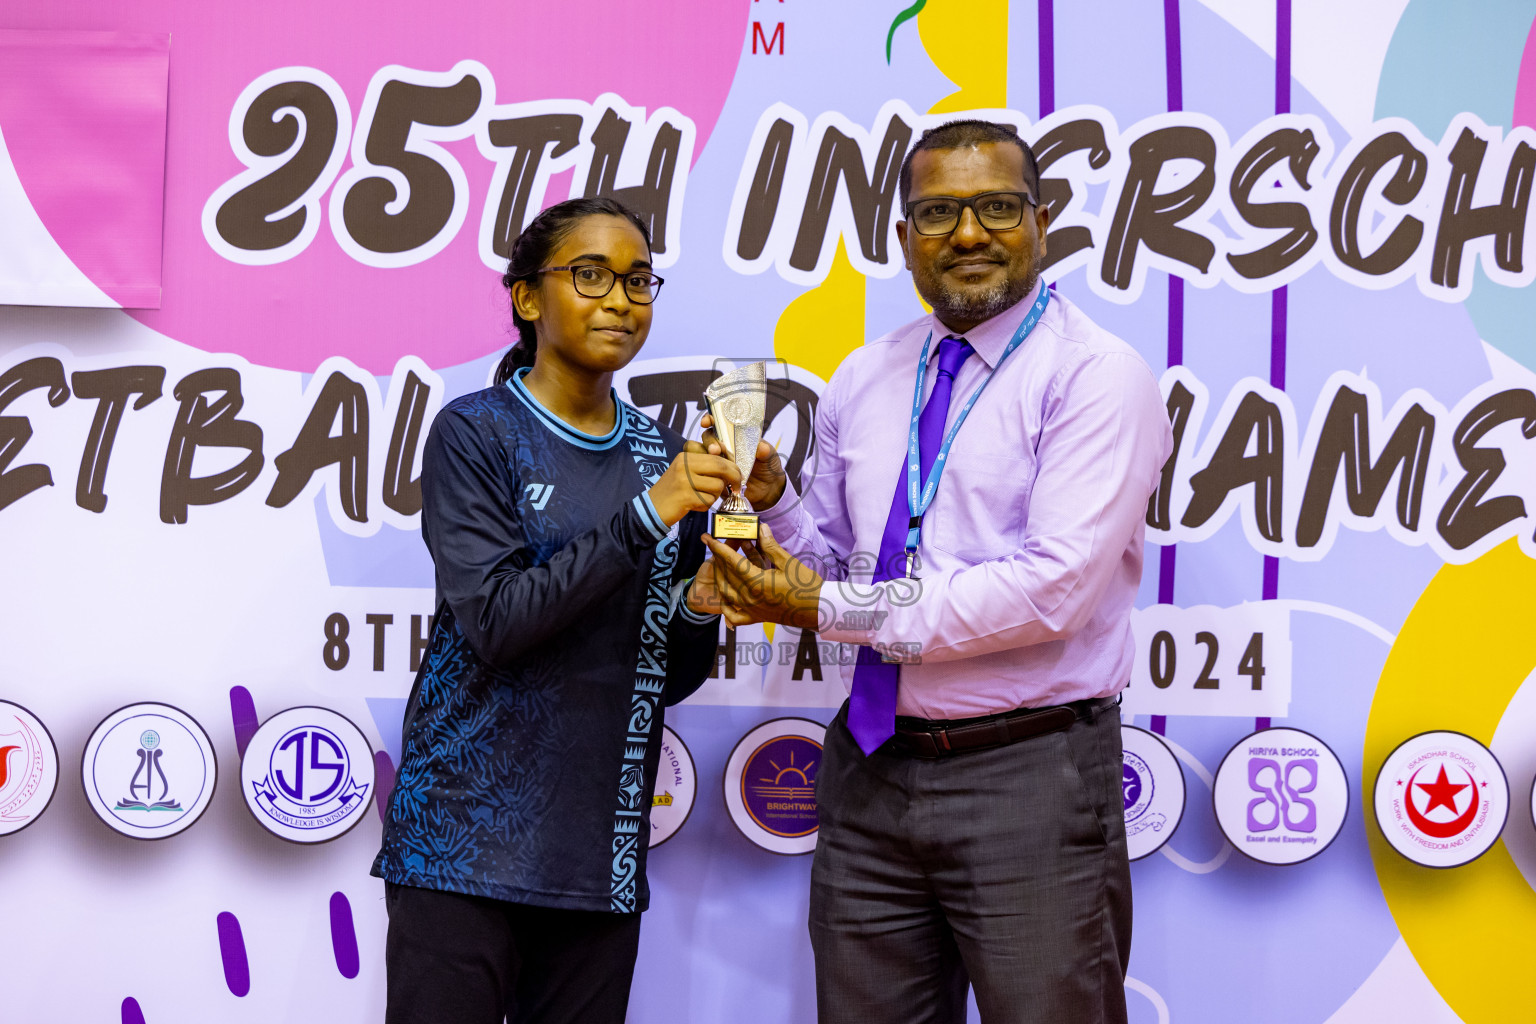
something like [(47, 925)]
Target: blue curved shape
[(1477, 65), (343, 936), (237, 969)]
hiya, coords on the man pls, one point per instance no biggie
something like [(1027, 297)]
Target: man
[(971, 817)]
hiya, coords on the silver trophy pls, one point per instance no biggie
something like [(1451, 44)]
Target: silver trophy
[(737, 402)]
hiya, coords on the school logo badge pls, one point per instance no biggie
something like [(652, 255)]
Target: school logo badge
[(677, 785), (149, 771), (307, 775), (770, 784), (1152, 784), (29, 768), (1441, 799), (1281, 796)]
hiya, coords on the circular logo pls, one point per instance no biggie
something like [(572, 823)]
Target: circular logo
[(1441, 799), (677, 784), (149, 771), (29, 768), (770, 784), (1153, 786), (307, 775), (1281, 796)]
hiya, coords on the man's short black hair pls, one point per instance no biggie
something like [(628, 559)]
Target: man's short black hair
[(956, 134)]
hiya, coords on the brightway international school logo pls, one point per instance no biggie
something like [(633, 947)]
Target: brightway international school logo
[(1152, 784), (1281, 796), (770, 784), (149, 771), (1441, 799), (307, 775), (29, 768)]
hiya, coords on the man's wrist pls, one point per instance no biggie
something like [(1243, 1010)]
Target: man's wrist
[(772, 499), (807, 613)]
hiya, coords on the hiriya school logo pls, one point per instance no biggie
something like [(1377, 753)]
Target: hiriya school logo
[(770, 784), (1441, 799), (29, 768), (307, 775), (677, 784), (1281, 796), (149, 771), (1153, 786)]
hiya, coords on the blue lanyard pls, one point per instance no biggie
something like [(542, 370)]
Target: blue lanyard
[(917, 504)]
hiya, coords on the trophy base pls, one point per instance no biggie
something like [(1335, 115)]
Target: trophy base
[(733, 525)]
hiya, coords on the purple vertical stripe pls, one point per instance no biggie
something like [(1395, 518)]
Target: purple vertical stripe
[(1260, 724), (1165, 575), (1047, 55), (1175, 320), (1279, 299), (242, 710), (343, 936), (383, 782), (1160, 724), (237, 969), (1173, 48), (131, 1012), (1168, 560), (1282, 56), (1278, 313)]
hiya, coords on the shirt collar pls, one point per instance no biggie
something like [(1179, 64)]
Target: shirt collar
[(990, 337)]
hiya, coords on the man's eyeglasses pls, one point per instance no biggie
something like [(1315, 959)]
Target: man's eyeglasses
[(595, 282), (996, 211)]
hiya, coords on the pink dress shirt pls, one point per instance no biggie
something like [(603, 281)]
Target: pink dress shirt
[(1031, 552)]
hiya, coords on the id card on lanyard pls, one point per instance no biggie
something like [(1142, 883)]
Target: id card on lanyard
[(920, 496)]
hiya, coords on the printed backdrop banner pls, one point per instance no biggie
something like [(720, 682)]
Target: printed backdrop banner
[(1310, 218), (83, 117)]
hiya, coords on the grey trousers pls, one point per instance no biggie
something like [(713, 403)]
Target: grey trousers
[(1005, 869)]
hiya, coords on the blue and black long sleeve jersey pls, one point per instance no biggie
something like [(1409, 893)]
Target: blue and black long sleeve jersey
[(533, 730)]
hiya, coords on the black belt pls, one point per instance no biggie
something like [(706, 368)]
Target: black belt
[(919, 737)]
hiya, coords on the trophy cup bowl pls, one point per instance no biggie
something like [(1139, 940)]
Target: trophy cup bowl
[(737, 402)]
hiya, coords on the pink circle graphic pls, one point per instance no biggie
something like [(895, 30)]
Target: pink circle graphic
[(448, 308)]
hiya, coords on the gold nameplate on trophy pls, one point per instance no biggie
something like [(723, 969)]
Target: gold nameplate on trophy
[(733, 525), (737, 402)]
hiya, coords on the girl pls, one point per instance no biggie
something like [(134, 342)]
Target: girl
[(564, 529)]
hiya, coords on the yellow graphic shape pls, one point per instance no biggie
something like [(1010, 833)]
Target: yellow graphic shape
[(967, 40), (818, 329), (1457, 663)]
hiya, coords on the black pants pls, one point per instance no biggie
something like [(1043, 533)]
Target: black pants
[(456, 959), (1005, 869)]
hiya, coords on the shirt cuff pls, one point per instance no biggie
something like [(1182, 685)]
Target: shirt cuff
[(649, 517), (853, 613), (785, 507), (680, 605), (849, 612)]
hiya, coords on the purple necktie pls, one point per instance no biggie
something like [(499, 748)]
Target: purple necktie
[(872, 704)]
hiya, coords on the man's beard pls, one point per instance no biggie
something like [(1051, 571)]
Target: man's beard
[(954, 306)]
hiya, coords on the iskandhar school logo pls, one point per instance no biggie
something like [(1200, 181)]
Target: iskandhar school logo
[(307, 775), (29, 768), (1441, 799), (149, 771)]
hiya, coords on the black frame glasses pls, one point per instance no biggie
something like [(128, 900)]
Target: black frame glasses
[(603, 279), (988, 220)]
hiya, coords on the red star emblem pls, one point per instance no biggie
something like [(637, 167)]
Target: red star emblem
[(1442, 792)]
